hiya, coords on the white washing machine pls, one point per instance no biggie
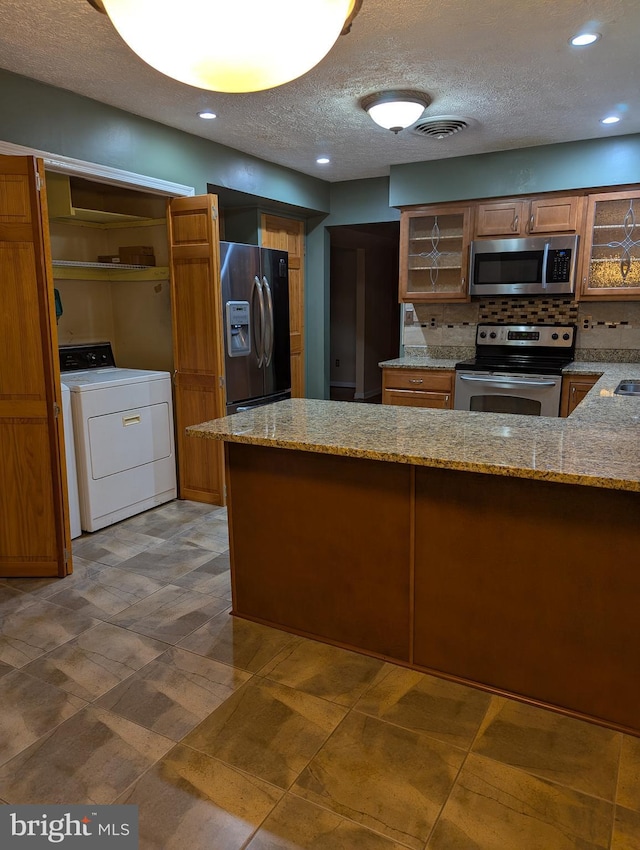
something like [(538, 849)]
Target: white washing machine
[(123, 432), (70, 452)]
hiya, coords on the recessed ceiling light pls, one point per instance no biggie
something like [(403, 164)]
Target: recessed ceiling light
[(207, 115), (584, 38), (323, 160), (610, 119)]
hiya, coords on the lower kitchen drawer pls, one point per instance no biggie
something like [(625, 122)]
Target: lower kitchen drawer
[(418, 379), (418, 387), (408, 398)]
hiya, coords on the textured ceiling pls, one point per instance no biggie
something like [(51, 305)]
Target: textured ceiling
[(504, 64)]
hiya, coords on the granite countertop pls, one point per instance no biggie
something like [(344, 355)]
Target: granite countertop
[(598, 445), (423, 361), (419, 361)]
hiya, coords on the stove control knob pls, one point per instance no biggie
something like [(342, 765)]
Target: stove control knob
[(483, 334), (566, 336), (493, 334), (554, 336), (91, 357)]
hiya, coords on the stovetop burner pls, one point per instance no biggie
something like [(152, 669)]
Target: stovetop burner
[(522, 349)]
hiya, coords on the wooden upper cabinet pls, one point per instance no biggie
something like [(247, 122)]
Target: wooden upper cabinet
[(524, 217), (502, 218), (611, 249), (434, 253)]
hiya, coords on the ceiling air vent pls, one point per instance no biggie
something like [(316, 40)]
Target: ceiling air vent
[(441, 127)]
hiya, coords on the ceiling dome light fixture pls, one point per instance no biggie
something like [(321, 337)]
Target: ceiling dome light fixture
[(236, 46), (396, 109), (610, 119), (207, 114), (584, 38)]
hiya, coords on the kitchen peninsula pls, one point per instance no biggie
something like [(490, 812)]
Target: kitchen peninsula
[(497, 550)]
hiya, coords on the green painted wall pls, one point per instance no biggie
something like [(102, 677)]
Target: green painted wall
[(549, 168), (361, 202), (60, 122)]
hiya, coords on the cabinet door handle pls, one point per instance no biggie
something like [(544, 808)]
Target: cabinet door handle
[(415, 380), (514, 226), (531, 220)]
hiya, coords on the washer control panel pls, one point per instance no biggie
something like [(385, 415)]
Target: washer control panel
[(92, 355)]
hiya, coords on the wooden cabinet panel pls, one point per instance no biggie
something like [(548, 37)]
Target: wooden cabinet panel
[(551, 628), (201, 461), (522, 216), (27, 513), (197, 343), (406, 398), (195, 349), (34, 526), (499, 219), (611, 249), (418, 387), (434, 253), (352, 585), (287, 234), (574, 389), (554, 215)]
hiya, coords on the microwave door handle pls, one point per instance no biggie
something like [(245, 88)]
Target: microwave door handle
[(512, 382), (545, 258)]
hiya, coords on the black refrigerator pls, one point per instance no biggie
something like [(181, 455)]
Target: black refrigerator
[(255, 315)]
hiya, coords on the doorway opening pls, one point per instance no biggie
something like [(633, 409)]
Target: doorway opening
[(364, 308)]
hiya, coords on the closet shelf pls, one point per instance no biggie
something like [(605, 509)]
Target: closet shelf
[(77, 270)]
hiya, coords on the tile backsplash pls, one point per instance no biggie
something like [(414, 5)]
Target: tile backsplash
[(606, 330)]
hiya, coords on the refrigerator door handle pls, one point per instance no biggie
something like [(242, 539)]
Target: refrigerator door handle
[(258, 337), (269, 328)]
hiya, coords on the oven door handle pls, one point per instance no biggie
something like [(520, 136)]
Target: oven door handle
[(512, 382)]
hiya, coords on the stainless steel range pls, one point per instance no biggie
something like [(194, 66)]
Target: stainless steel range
[(517, 369)]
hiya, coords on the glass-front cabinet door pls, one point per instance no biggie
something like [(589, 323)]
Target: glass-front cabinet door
[(611, 253), (434, 253)]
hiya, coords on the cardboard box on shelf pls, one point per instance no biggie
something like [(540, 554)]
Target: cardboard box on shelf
[(137, 255), (138, 260), (107, 258)]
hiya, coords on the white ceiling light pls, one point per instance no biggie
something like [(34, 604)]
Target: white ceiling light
[(610, 119), (323, 160), (584, 38), (237, 46), (395, 110), (207, 115)]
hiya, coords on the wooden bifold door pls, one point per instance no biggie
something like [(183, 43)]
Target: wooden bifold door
[(34, 526)]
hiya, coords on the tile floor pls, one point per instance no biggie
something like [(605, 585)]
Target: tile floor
[(129, 682)]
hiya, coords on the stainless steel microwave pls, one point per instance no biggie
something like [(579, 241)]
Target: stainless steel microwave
[(537, 265)]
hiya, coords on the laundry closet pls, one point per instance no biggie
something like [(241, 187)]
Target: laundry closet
[(106, 293), (115, 350), (83, 263)]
